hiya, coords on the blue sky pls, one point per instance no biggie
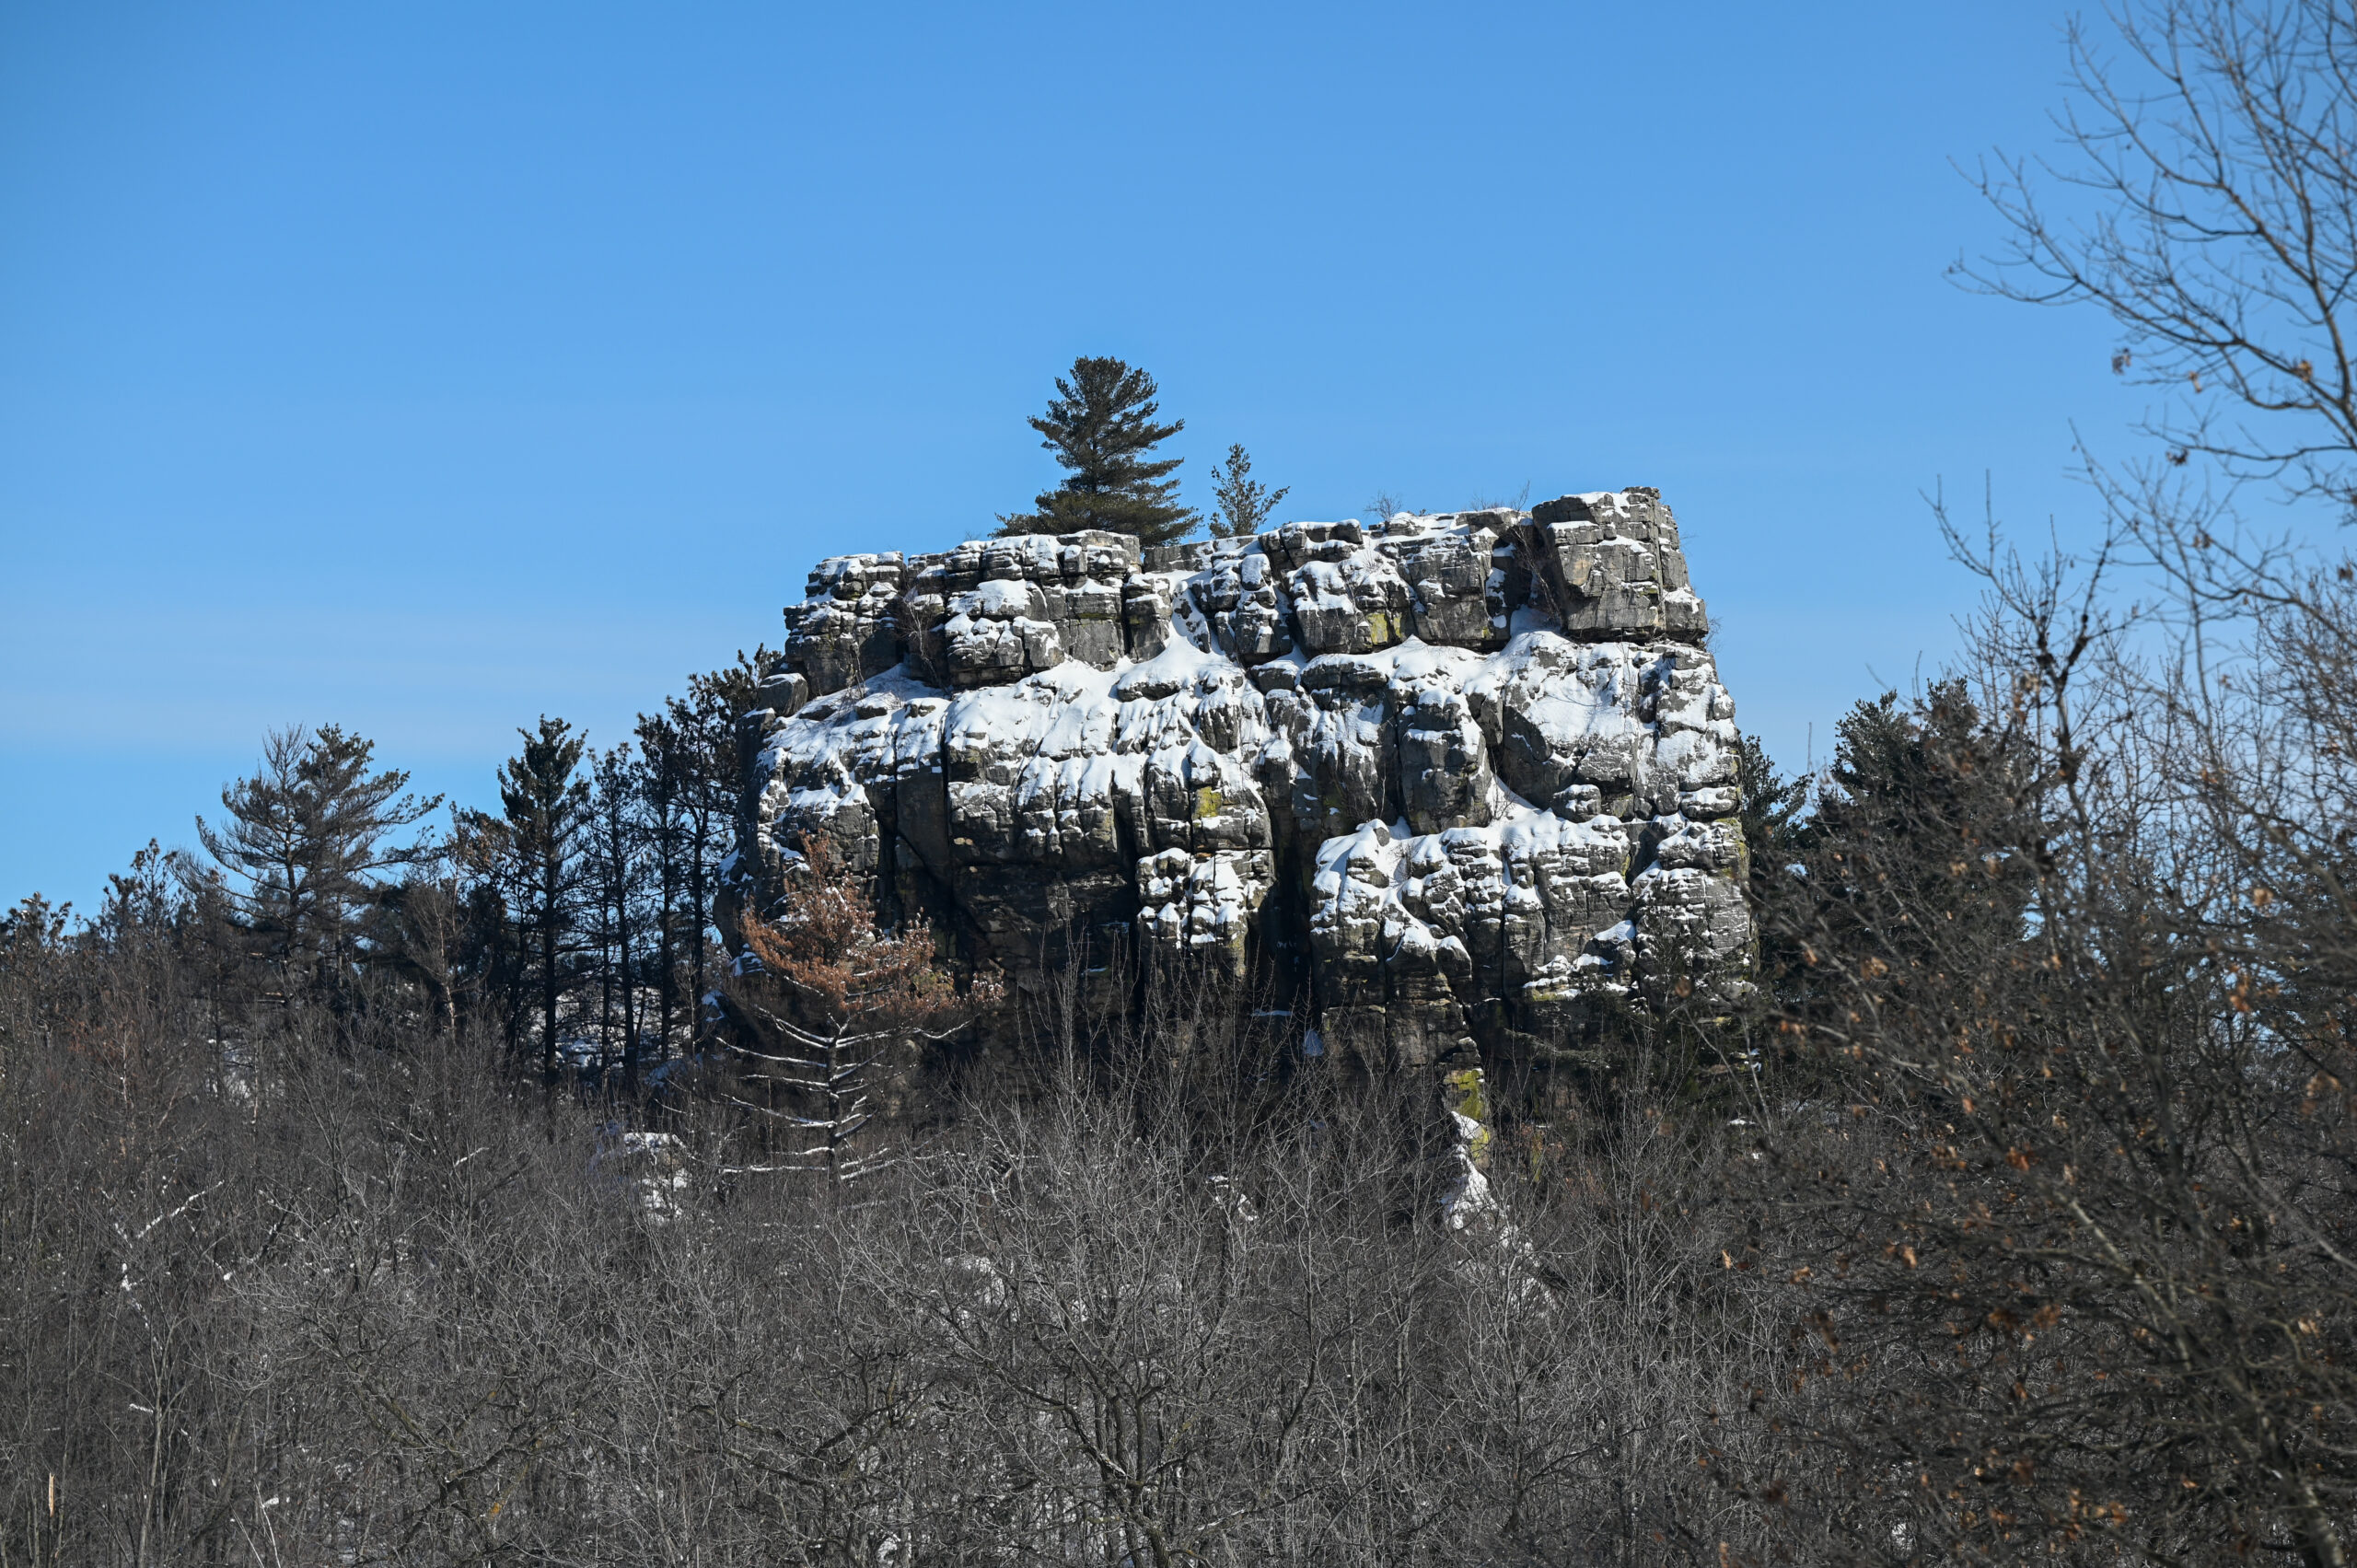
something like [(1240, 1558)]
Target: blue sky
[(427, 368)]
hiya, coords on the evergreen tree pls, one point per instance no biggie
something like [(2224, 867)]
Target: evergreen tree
[(1926, 808), (1100, 425), (665, 779), (486, 947), (701, 735), (617, 869), (306, 835), (1244, 503), (1772, 817), (546, 807), (143, 904), (34, 926)]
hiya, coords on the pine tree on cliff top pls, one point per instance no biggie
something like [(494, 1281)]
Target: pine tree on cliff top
[(1100, 425), (1243, 505)]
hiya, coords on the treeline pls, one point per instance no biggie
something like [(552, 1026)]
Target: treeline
[(572, 926)]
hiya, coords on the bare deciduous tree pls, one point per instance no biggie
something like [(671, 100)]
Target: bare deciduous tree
[(2207, 202)]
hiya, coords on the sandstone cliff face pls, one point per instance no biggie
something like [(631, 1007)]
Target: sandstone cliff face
[(1451, 776)]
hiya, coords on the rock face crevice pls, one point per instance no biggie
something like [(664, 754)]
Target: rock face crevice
[(1454, 778)]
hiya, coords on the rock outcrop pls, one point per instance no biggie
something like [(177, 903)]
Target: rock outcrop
[(1454, 777)]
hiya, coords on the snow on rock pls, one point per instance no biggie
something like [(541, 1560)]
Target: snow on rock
[(1346, 598), (843, 625), (1458, 774)]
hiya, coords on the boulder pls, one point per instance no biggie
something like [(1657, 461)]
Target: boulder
[(1611, 564)]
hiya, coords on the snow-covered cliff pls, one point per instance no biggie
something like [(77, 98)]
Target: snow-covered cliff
[(1450, 775)]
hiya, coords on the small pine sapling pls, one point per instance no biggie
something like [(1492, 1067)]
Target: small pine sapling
[(1243, 503)]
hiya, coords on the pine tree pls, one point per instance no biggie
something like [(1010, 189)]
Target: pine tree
[(1921, 811), (546, 807), (1100, 425), (702, 746), (665, 784), (704, 730), (618, 867), (306, 835), (1244, 503), (1774, 820)]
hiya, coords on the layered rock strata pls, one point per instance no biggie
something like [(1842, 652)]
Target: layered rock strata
[(1452, 776)]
